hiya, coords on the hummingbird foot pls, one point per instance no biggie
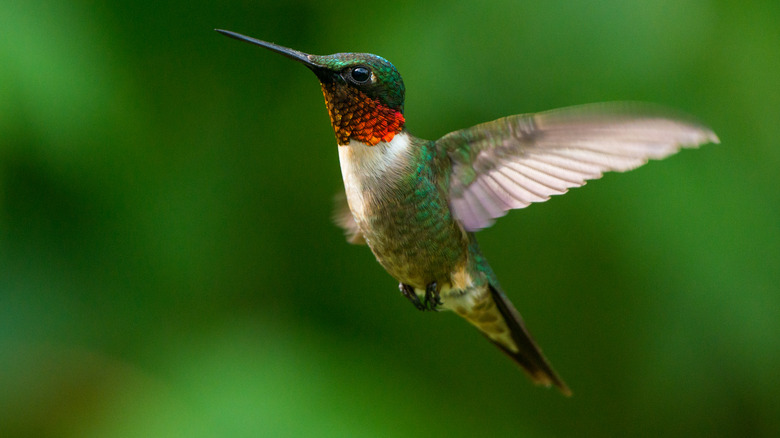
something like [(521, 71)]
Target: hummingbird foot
[(411, 295), (432, 297)]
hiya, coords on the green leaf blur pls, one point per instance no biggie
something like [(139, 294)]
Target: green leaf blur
[(168, 266)]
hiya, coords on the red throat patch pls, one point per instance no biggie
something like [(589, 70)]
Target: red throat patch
[(356, 116)]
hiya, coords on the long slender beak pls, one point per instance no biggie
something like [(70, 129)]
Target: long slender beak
[(303, 58)]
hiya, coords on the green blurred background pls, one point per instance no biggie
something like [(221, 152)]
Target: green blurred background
[(168, 266)]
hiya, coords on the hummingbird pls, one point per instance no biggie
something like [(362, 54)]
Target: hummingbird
[(418, 203)]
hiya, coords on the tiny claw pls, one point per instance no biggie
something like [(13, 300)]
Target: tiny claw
[(432, 297), (411, 295)]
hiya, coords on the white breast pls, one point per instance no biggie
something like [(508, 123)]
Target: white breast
[(368, 170)]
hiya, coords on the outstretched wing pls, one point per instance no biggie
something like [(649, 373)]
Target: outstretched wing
[(514, 161)]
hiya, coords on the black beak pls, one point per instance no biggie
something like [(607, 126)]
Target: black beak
[(295, 55)]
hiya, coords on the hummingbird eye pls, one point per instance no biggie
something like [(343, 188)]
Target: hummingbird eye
[(360, 75)]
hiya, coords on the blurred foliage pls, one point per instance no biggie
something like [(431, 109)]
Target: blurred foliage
[(168, 266)]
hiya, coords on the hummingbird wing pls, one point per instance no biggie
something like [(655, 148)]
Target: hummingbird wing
[(514, 161), (342, 216)]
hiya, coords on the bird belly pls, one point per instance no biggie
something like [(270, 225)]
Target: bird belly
[(415, 253), (404, 218)]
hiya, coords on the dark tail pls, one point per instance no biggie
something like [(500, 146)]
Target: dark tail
[(528, 355)]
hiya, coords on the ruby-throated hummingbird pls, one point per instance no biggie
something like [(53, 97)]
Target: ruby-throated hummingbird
[(417, 203)]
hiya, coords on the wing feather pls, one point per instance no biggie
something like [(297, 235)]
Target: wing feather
[(342, 216), (514, 161)]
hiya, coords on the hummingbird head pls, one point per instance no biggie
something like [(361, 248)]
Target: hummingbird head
[(364, 93)]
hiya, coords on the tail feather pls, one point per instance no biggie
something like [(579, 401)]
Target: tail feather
[(502, 324)]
